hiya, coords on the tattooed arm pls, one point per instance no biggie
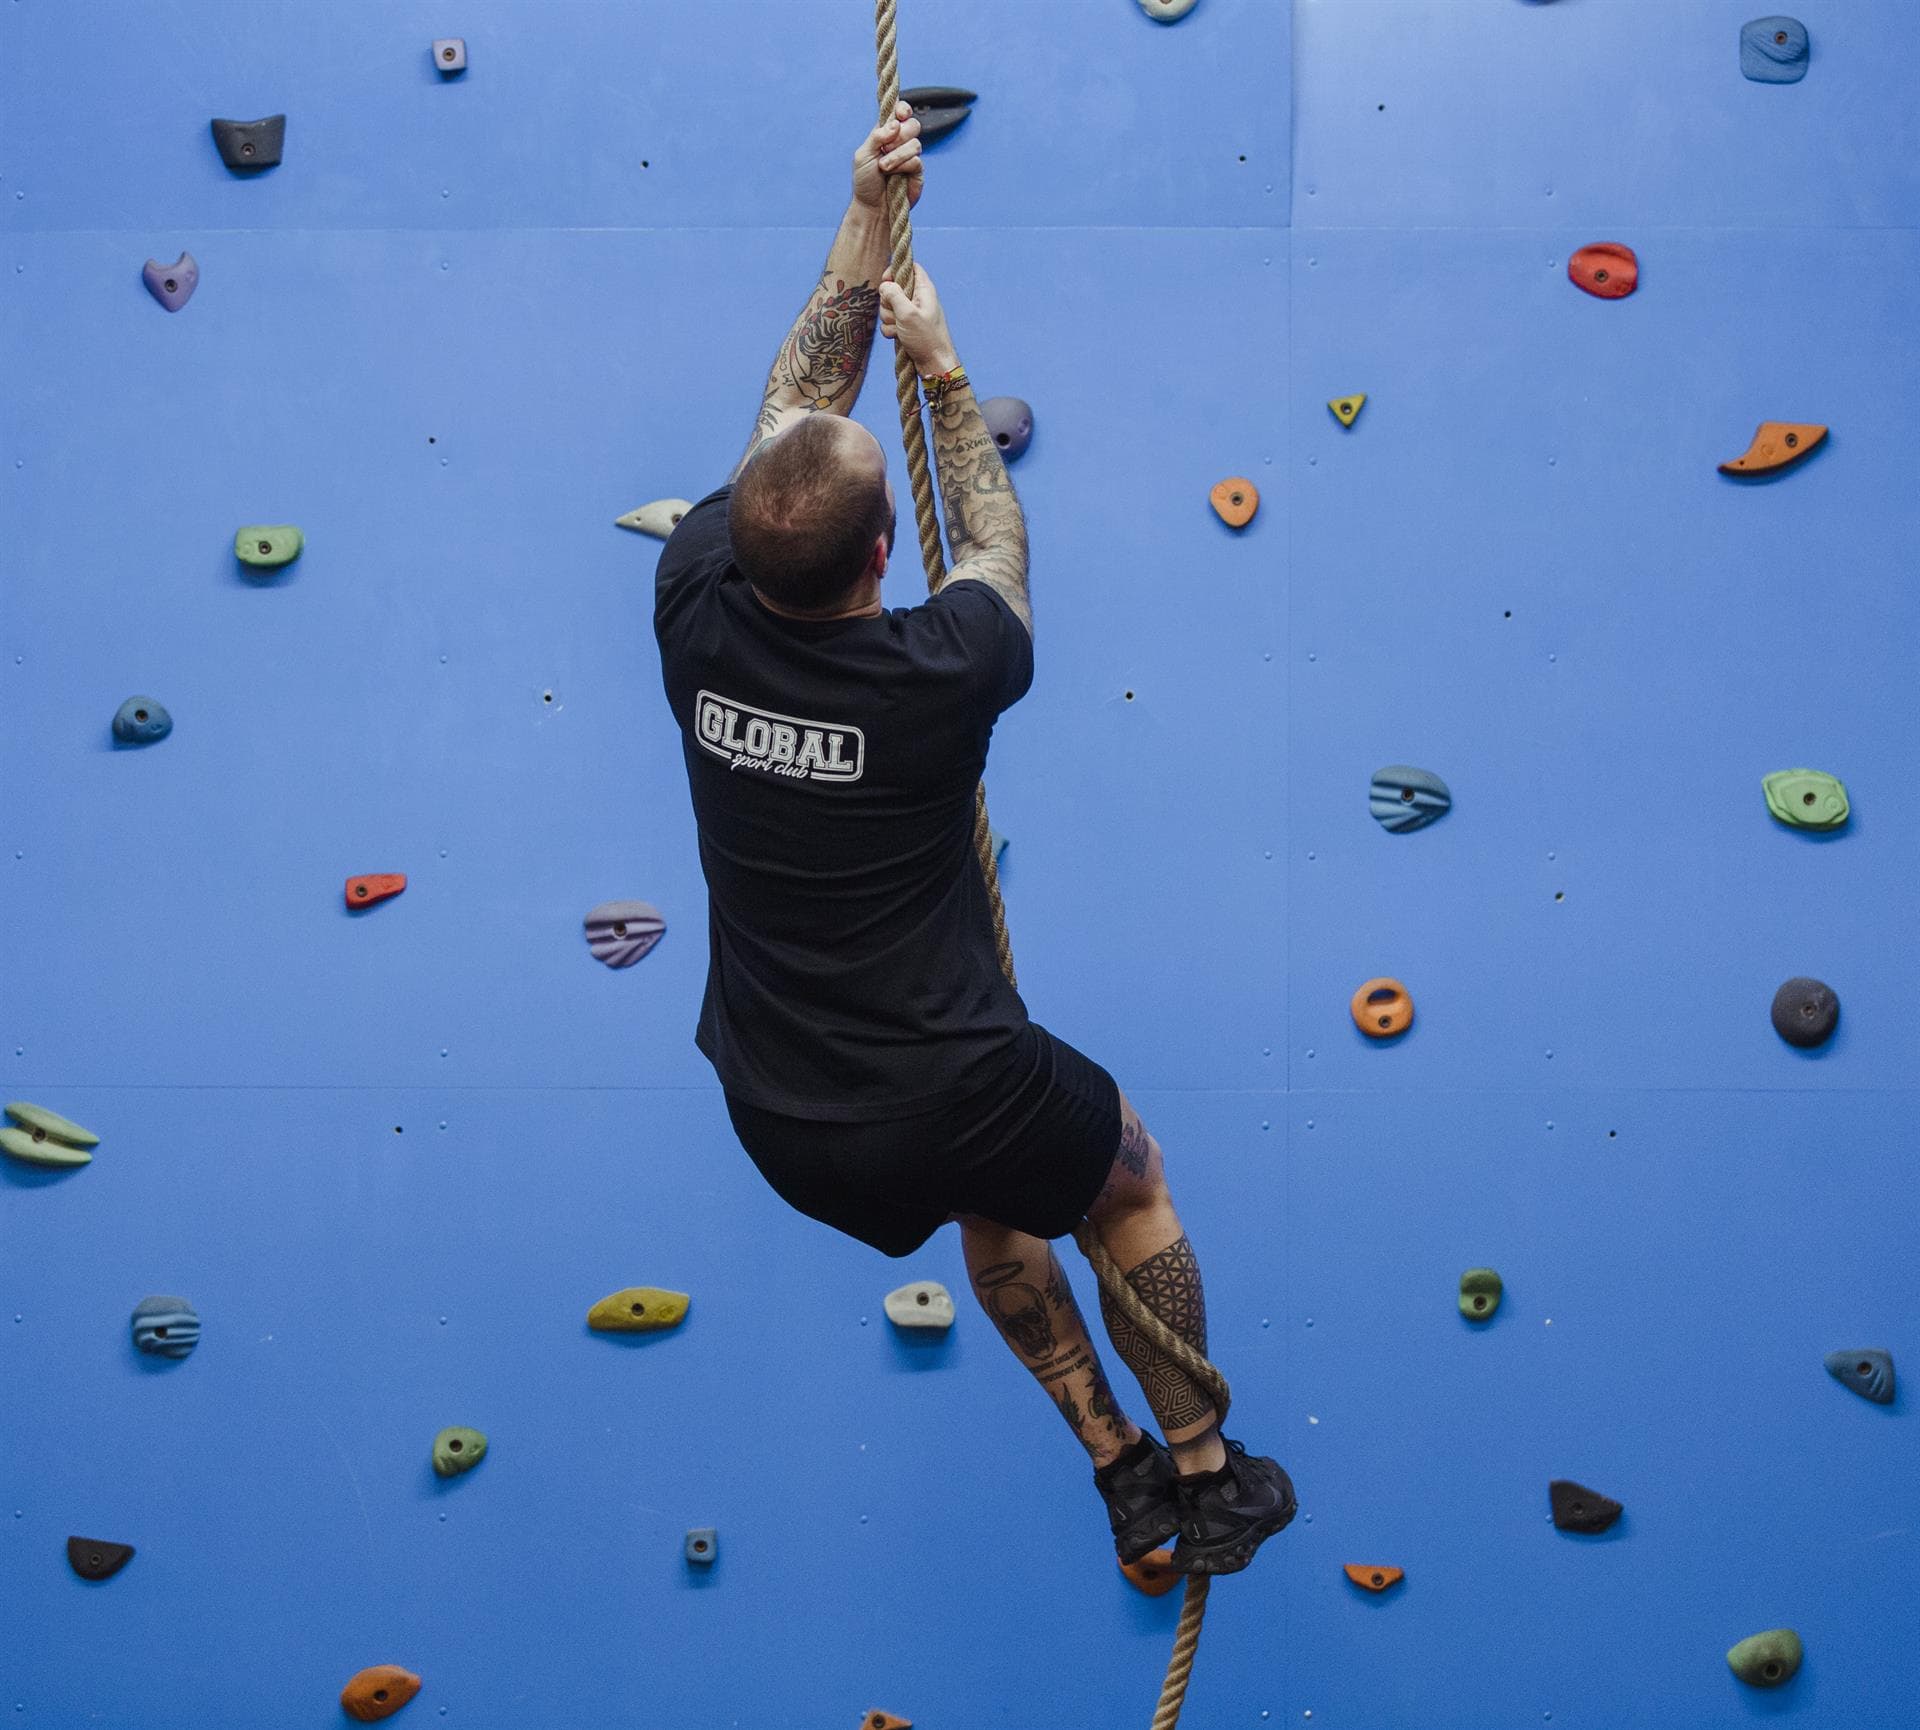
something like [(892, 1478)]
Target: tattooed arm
[(986, 532), (823, 360)]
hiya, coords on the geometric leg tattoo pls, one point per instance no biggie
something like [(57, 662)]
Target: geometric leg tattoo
[(1169, 1285)]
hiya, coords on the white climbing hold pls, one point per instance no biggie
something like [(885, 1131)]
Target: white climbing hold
[(1166, 11), (659, 518), (924, 1304)]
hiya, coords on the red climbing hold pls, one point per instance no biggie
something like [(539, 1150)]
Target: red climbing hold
[(1153, 1573), (1606, 268), (381, 886)]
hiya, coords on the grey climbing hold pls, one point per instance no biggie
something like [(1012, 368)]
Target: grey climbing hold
[(458, 1449), (620, 932), (1166, 11), (924, 1304), (703, 1546), (1480, 1291), (1805, 1012), (998, 843), (939, 108), (449, 54), (1010, 422), (45, 1137), (1774, 50), (660, 518), (172, 284), (251, 143), (1404, 798), (165, 1327), (1579, 1509), (1766, 1660), (96, 1558), (1868, 1372), (141, 721)]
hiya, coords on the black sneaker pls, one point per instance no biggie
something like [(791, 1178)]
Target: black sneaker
[(1140, 1498), (1222, 1524)]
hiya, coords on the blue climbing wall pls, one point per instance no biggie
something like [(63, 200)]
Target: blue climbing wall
[(393, 1158)]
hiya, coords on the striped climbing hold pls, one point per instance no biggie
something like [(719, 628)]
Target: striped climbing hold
[(1403, 798), (166, 1327), (621, 932)]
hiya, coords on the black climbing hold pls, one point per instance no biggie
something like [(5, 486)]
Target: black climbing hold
[(1869, 1373), (450, 54), (1402, 798), (1010, 422), (250, 143), (96, 1559), (1579, 1509), (1805, 1012), (938, 107)]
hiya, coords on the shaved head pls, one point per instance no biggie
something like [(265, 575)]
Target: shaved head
[(807, 510)]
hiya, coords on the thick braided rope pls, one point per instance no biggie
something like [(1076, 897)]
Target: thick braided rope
[(1193, 1608)]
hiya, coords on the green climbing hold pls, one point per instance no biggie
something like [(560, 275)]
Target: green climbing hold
[(458, 1450), (1480, 1290), (1766, 1660), (267, 545), (45, 1137), (640, 1309), (1806, 798)]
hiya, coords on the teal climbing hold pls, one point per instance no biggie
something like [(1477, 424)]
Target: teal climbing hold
[(1774, 50), (1869, 1373), (141, 721), (1806, 798), (1403, 798), (1766, 1660), (703, 1546), (165, 1327)]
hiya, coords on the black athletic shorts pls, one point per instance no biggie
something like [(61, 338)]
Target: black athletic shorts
[(1030, 1151)]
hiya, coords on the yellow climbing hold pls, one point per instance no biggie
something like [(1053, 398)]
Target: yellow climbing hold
[(1346, 409), (640, 1309)]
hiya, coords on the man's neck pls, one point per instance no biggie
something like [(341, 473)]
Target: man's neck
[(871, 610)]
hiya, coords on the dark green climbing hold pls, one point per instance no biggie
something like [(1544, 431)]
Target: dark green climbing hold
[(167, 1327), (141, 721), (96, 1559), (1868, 1372), (1480, 1291), (1579, 1509), (1805, 1012), (250, 143), (1766, 1660), (703, 1546), (458, 1450), (1403, 798), (1806, 798), (266, 545)]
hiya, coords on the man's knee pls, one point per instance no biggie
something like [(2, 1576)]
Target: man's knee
[(1137, 1178)]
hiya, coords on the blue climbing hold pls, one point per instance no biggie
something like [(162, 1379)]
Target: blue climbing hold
[(141, 721), (167, 1327), (1404, 798), (1869, 1373), (1774, 50)]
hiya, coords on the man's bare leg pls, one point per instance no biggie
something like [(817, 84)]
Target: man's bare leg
[(1020, 1284), (1134, 1217)]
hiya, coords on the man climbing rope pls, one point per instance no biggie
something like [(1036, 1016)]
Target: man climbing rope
[(879, 1068)]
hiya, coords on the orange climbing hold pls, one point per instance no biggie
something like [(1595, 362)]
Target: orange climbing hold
[(885, 1721), (1153, 1573), (1236, 499), (379, 1693), (1373, 1578), (381, 886), (1777, 445), (1606, 268), (1381, 1008)]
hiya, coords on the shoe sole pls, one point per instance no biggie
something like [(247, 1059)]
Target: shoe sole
[(1231, 1558), (1138, 1549)]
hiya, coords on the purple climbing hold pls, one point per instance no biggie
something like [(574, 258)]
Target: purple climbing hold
[(1011, 423), (621, 932), (172, 284)]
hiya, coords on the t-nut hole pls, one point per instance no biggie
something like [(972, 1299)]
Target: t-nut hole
[(1793, 439), (160, 1333), (170, 285), (1599, 276), (264, 547), (1863, 1369), (446, 53), (1480, 1303), (923, 1298), (1386, 1021), (246, 150), (1780, 36), (1129, 696), (1559, 894), (619, 928), (360, 889), (139, 714), (546, 696), (637, 1309), (1406, 795), (1771, 1669), (1807, 798), (1003, 439)]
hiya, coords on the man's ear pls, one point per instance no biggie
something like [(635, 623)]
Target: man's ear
[(877, 560)]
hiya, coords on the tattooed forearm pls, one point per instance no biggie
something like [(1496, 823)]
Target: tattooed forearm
[(986, 531), (1169, 1285)]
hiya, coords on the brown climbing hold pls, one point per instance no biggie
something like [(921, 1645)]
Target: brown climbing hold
[(1606, 269), (1381, 1008), (381, 886), (1236, 499), (1153, 1573), (1777, 445), (1372, 1578), (379, 1692), (885, 1721)]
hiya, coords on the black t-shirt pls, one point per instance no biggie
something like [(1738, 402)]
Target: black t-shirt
[(833, 767)]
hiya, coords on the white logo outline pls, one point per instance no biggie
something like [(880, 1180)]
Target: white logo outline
[(805, 740)]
